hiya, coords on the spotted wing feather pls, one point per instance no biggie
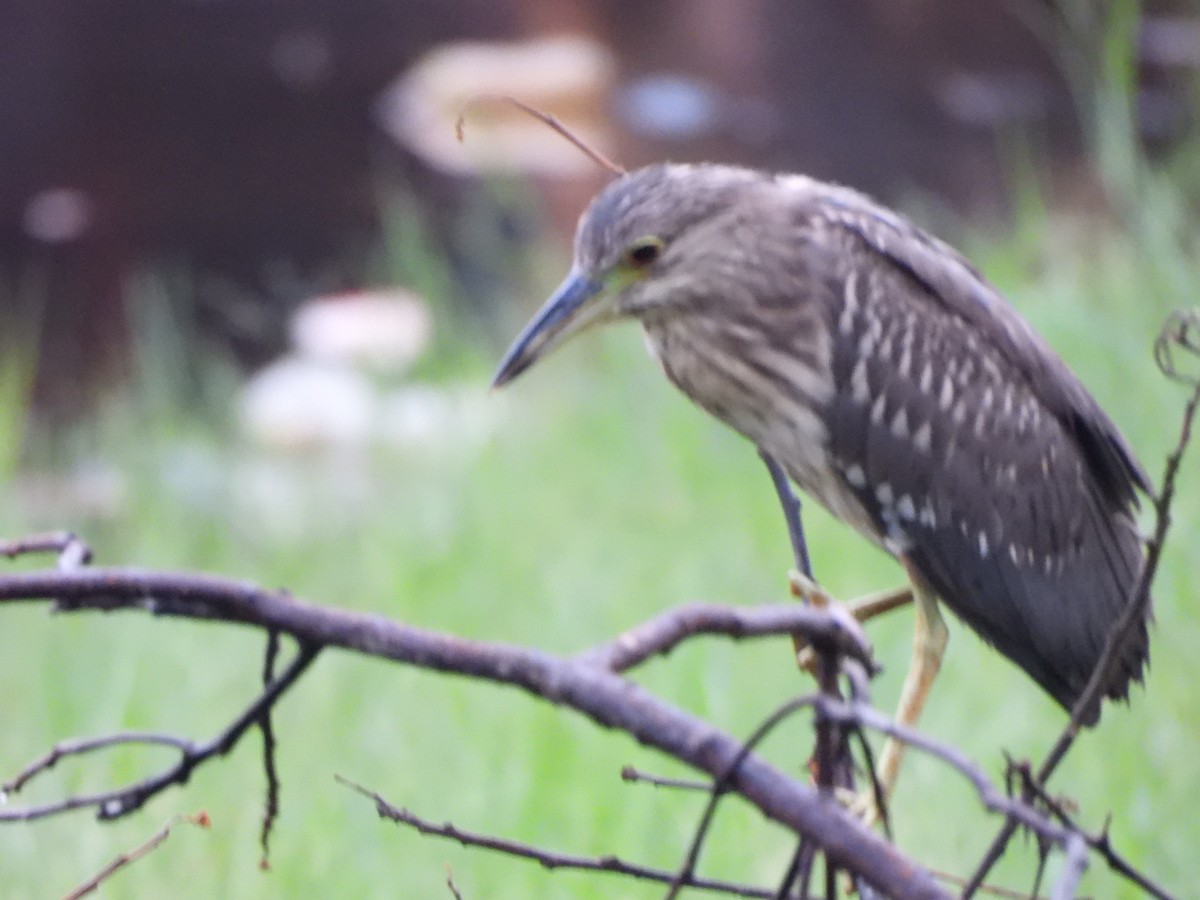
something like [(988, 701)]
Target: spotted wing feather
[(980, 459)]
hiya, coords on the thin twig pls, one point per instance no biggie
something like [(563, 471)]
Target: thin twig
[(721, 786), (72, 552), (122, 801), (989, 795), (271, 801), (546, 858), (199, 819), (1101, 843), (634, 776), (546, 119), (81, 746)]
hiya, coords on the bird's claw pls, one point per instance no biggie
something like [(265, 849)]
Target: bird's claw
[(863, 806), (807, 589)]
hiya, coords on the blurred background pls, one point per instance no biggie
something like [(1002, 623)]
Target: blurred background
[(251, 291)]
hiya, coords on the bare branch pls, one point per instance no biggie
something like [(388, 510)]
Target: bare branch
[(1101, 843), (633, 776), (546, 858), (81, 746), (607, 698), (122, 801), (665, 632), (271, 801), (72, 552), (92, 884)]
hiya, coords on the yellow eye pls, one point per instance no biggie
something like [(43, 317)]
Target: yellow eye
[(644, 252)]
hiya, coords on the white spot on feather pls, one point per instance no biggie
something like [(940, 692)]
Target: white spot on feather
[(923, 438), (849, 305), (926, 381), (860, 390), (946, 398), (877, 410)]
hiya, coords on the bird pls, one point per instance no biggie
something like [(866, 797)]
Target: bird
[(895, 386)]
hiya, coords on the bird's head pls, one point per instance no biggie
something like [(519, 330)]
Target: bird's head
[(641, 248)]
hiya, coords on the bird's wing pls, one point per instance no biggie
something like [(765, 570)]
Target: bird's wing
[(962, 441), (951, 281)]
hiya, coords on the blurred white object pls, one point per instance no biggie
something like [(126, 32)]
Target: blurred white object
[(566, 77), (298, 403), (436, 417), (383, 330), (58, 215)]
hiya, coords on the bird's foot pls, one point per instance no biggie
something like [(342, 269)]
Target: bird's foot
[(806, 589), (863, 805)]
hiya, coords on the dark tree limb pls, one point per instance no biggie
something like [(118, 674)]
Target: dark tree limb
[(603, 696)]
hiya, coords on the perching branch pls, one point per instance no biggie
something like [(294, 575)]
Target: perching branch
[(602, 695)]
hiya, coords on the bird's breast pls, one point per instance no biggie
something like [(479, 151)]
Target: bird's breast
[(773, 389)]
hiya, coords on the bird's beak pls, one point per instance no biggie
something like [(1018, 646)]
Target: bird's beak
[(568, 311)]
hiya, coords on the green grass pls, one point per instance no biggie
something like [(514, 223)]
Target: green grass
[(602, 497)]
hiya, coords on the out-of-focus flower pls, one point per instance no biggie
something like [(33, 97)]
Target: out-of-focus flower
[(383, 330), (297, 403), (569, 78), (58, 215)]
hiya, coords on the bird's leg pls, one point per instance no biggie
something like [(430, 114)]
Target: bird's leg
[(803, 586), (929, 644), (791, 514)]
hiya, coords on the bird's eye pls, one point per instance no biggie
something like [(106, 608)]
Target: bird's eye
[(643, 252)]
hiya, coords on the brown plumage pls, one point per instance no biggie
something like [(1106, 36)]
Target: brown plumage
[(893, 384)]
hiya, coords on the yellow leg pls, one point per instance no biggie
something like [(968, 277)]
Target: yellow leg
[(929, 644)]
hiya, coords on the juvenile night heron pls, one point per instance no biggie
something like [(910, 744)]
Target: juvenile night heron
[(894, 385)]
